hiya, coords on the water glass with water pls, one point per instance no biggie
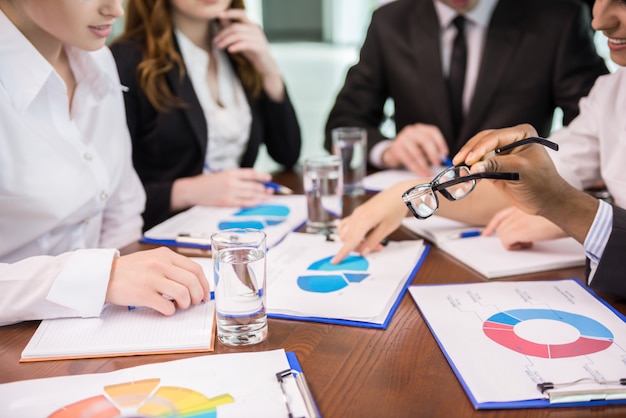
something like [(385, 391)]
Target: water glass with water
[(350, 144), (240, 277), (323, 185)]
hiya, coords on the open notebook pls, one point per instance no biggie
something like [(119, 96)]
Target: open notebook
[(487, 256)]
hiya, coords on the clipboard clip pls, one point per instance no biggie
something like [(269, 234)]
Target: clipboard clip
[(546, 389), (303, 388)]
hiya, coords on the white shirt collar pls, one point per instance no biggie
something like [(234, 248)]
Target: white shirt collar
[(29, 71), (480, 15)]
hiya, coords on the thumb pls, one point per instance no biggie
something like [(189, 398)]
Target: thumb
[(485, 166)]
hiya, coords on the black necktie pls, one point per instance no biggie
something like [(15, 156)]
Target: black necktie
[(456, 78)]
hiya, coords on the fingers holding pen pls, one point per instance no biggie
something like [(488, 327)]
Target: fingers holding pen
[(160, 279)]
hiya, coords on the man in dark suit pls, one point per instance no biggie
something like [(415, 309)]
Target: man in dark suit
[(522, 59)]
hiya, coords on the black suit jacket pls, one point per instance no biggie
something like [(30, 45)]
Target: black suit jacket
[(171, 145), (610, 275), (538, 54)]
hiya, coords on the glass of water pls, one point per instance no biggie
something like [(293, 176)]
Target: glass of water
[(240, 276), (350, 144), (323, 186)]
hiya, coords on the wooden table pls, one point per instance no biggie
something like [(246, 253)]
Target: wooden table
[(352, 371)]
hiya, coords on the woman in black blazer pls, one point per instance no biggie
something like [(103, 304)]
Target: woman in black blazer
[(203, 94)]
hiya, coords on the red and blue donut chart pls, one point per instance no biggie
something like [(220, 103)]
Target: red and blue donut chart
[(593, 337)]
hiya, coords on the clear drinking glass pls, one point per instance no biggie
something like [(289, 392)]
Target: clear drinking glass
[(350, 145), (240, 277), (323, 186)]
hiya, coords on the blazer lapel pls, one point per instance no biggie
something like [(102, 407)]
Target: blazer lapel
[(424, 28), (503, 36), (192, 110)]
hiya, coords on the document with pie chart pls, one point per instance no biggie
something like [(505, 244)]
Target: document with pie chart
[(361, 291), (216, 386), (528, 344), (276, 217)]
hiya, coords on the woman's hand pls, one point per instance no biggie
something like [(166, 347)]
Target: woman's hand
[(241, 187), (372, 221), (240, 35), (159, 279)]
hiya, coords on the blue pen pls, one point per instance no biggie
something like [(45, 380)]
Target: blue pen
[(278, 188), (467, 234), (447, 162)]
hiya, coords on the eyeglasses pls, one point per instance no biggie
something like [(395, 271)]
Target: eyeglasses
[(456, 182)]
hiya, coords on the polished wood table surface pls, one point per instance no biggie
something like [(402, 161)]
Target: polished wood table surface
[(352, 371)]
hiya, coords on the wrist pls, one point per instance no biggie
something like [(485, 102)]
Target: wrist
[(182, 194), (573, 211)]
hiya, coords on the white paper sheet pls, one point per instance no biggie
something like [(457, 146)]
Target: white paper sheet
[(505, 337), (381, 180), (225, 385), (277, 217), (487, 256), (301, 283)]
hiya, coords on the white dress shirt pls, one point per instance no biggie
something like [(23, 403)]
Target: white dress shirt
[(476, 27), (66, 181), (229, 121), (593, 148)]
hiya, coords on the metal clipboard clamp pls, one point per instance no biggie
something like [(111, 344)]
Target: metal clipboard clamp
[(608, 390), (303, 389)]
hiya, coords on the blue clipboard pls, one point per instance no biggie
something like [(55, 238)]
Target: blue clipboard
[(532, 403), (383, 325)]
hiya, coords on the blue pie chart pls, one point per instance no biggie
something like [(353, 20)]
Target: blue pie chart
[(257, 217), (348, 271)]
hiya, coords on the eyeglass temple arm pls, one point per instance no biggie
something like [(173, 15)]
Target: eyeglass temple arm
[(532, 140), (476, 176)]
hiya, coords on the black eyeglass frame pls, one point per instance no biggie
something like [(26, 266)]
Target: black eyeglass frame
[(434, 185)]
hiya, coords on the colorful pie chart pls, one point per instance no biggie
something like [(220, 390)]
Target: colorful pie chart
[(593, 336), (145, 398)]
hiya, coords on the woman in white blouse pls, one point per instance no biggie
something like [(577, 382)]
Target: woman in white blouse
[(203, 95), (68, 193)]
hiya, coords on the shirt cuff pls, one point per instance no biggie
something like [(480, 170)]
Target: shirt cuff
[(376, 153), (598, 236), (83, 282)]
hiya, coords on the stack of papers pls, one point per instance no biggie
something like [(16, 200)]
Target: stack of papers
[(487, 256), (502, 339), (194, 227), (360, 291)]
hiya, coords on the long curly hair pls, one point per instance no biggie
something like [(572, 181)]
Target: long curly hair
[(150, 23)]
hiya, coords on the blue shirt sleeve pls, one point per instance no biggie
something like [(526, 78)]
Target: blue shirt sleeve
[(598, 235)]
